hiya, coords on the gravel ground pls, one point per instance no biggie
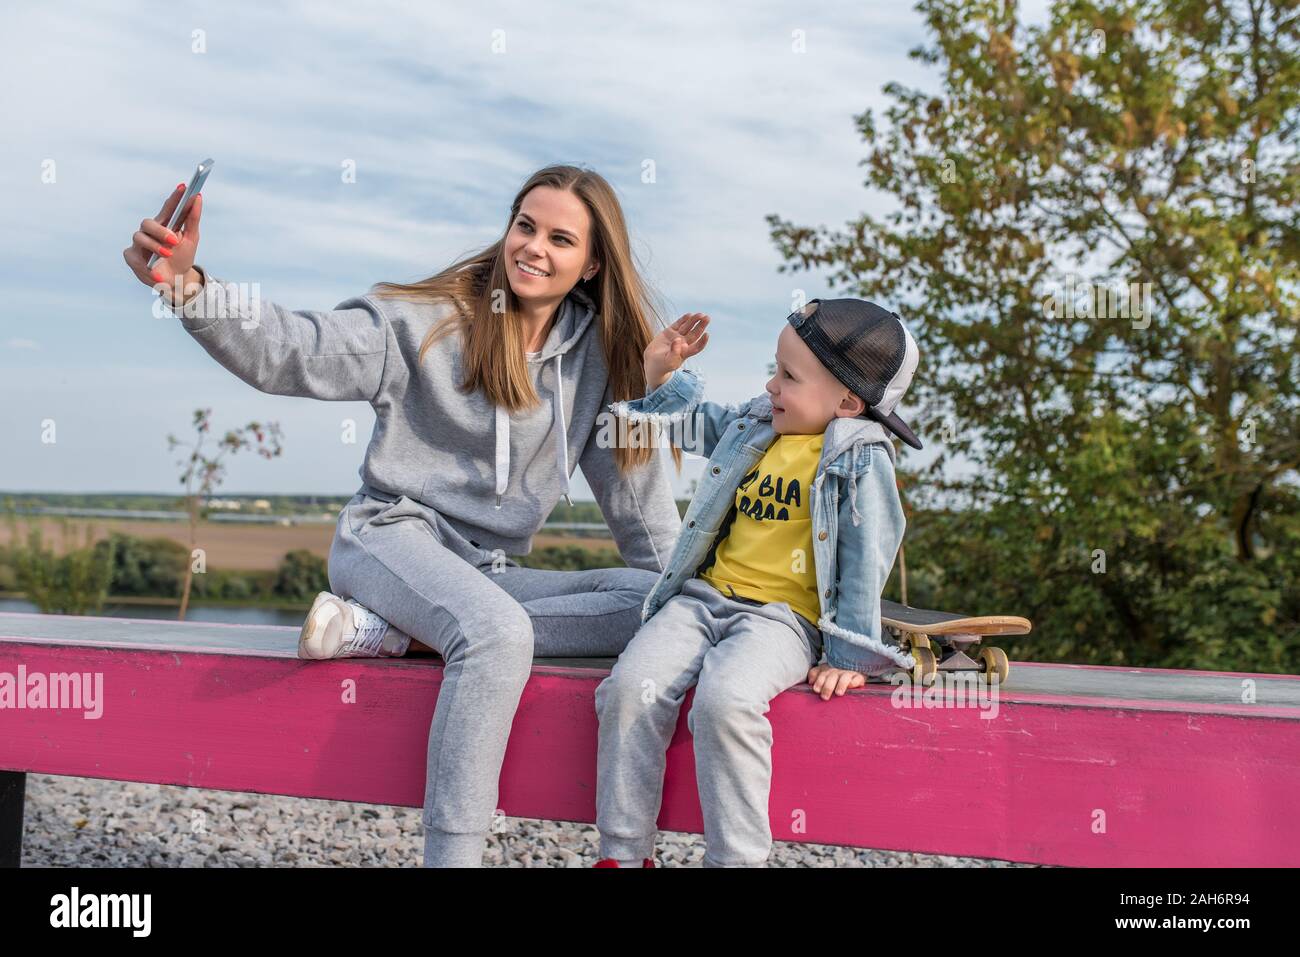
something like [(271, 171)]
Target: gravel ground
[(85, 822)]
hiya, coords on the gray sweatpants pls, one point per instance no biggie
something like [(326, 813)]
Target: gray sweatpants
[(404, 561), (742, 654)]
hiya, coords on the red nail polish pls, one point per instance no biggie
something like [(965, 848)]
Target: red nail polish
[(156, 276), (180, 185), (173, 239), (164, 251)]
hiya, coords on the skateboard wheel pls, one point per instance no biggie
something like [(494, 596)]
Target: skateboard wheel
[(917, 640), (926, 667), (996, 666)]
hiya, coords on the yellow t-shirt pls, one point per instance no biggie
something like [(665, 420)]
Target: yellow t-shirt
[(768, 553)]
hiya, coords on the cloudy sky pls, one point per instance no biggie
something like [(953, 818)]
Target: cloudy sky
[(114, 100)]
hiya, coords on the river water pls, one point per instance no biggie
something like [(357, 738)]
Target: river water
[(232, 615)]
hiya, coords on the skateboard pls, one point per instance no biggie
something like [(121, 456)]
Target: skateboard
[(941, 641)]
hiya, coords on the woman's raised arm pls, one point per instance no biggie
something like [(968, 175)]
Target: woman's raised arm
[(337, 354)]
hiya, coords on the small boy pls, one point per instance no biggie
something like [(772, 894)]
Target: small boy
[(781, 558)]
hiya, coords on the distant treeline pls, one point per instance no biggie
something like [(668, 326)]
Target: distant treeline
[(132, 501), (121, 566), (581, 511)]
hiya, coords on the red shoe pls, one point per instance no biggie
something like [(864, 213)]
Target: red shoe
[(610, 862)]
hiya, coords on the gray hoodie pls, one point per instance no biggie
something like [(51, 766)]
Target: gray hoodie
[(494, 476)]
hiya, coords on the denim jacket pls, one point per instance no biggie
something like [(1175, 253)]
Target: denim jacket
[(855, 535)]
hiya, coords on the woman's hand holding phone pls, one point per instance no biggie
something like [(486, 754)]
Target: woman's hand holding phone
[(176, 250)]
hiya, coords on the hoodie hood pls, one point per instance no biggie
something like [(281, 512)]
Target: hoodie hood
[(841, 435), (576, 313)]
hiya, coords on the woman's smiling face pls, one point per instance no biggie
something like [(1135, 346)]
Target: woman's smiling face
[(805, 395), (550, 234)]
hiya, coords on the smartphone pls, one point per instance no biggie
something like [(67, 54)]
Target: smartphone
[(183, 207)]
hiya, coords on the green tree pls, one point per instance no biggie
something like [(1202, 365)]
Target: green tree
[(1127, 461), (144, 566), (73, 583), (302, 575)]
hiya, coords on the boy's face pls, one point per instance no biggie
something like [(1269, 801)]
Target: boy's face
[(805, 395)]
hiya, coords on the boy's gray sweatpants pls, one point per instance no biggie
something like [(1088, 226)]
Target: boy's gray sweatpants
[(742, 654), (403, 560)]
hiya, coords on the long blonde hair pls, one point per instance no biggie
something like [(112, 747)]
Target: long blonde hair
[(493, 341)]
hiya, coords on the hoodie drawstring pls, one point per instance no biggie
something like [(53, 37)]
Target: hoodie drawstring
[(562, 432), (503, 452), (561, 444)]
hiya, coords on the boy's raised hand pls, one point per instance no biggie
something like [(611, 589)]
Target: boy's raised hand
[(827, 680), (677, 343)]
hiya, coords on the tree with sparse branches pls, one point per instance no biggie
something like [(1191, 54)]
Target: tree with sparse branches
[(202, 474)]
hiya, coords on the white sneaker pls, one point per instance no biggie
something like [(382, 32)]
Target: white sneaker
[(345, 629)]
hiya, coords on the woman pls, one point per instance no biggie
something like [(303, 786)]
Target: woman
[(486, 380)]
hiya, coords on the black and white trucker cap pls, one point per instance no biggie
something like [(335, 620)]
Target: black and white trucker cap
[(868, 349)]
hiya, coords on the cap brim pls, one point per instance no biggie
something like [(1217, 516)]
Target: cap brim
[(897, 426)]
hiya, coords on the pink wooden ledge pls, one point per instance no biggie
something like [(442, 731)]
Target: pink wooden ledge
[(1081, 766)]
